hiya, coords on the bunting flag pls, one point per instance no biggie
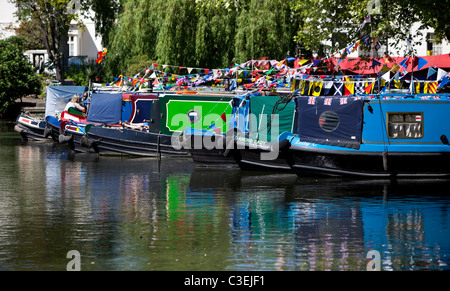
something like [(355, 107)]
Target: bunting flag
[(338, 88), (375, 63), (349, 88), (441, 73), (369, 89), (327, 86), (397, 84), (327, 101), (316, 62), (431, 72), (317, 88), (306, 88), (312, 100), (421, 63), (431, 87), (366, 40), (359, 88), (366, 20), (404, 63), (444, 81), (419, 87)]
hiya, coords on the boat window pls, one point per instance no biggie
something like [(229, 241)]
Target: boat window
[(329, 121), (405, 125)]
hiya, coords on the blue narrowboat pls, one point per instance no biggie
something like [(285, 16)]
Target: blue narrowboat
[(382, 135)]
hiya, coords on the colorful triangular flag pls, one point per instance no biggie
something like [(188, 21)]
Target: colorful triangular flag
[(431, 71), (422, 62)]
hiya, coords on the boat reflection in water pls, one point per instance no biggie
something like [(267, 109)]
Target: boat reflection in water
[(166, 214)]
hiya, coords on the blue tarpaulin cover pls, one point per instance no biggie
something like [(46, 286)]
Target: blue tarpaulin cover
[(105, 108), (330, 121), (58, 97)]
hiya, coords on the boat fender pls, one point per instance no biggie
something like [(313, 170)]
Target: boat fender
[(86, 142), (444, 139), (385, 161), (18, 129), (65, 138), (284, 144), (47, 132)]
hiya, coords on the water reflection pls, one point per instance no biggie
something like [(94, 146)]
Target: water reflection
[(148, 214)]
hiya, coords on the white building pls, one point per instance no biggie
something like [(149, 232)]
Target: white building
[(7, 19), (83, 42)]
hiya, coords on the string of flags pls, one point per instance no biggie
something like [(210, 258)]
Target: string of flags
[(266, 74)]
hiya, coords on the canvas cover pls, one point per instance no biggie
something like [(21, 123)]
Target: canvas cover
[(262, 123), (58, 97), (142, 107), (330, 120), (105, 108)]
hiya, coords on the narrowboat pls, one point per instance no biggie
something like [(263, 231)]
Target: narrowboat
[(198, 122), (137, 134), (251, 139), (380, 136), (36, 128)]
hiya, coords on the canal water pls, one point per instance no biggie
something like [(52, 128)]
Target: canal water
[(122, 213)]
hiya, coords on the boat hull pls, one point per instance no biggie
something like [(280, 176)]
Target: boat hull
[(306, 162), (211, 152), (31, 128), (131, 142)]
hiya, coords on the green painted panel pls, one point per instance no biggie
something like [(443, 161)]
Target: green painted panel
[(196, 112)]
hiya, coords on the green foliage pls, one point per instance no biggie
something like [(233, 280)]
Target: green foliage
[(52, 17), (106, 12), (16, 74), (265, 28), (200, 33), (175, 43), (137, 64), (336, 22), (80, 74)]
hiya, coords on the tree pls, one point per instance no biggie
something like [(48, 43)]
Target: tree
[(215, 32), (106, 13), (201, 33), (53, 19), (134, 34), (16, 74), (175, 43), (265, 28), (432, 14), (335, 23)]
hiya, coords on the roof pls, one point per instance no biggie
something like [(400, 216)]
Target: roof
[(375, 65)]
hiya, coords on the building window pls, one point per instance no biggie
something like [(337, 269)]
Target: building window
[(72, 46), (433, 48), (405, 125)]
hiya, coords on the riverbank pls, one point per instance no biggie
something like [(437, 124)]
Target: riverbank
[(27, 104)]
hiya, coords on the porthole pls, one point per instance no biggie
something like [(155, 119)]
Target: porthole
[(193, 116), (329, 121)]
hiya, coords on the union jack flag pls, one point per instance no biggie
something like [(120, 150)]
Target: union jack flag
[(343, 101), (312, 100), (437, 97), (357, 98), (327, 101), (424, 97)]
